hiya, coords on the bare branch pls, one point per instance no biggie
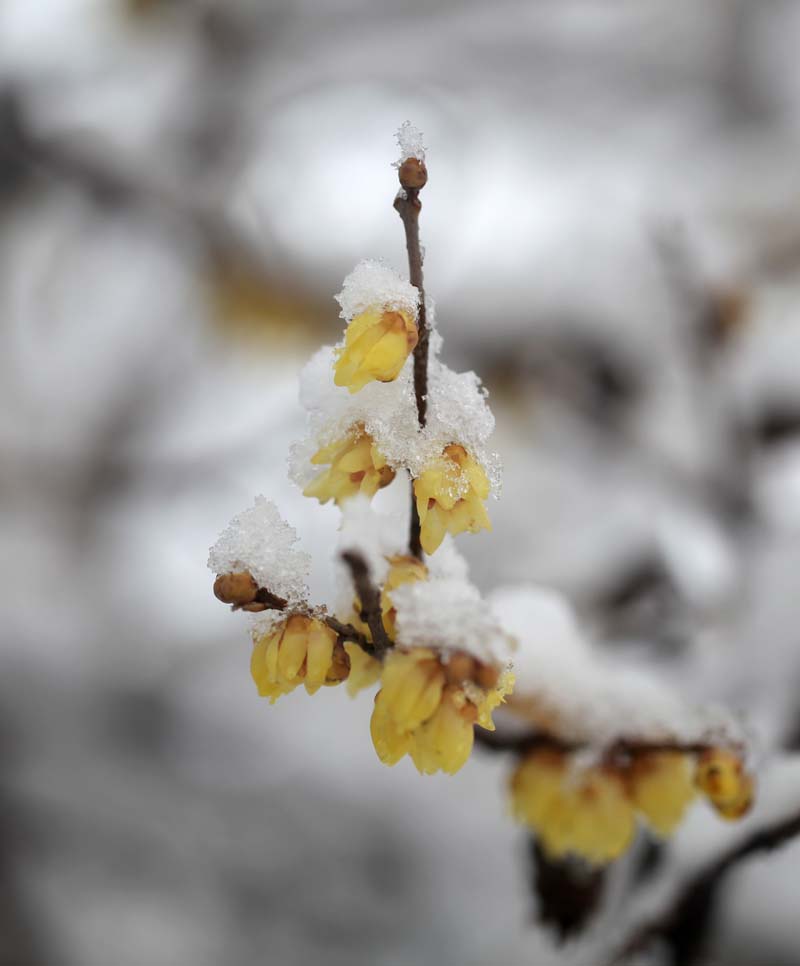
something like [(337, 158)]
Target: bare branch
[(413, 177), (370, 598), (698, 890)]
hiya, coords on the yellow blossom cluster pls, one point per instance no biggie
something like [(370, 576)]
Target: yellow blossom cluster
[(298, 650), (592, 812), (429, 704)]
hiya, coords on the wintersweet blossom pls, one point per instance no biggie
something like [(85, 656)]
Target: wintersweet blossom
[(356, 466), (299, 650), (585, 813), (722, 778), (449, 495), (377, 343), (661, 788), (427, 707)]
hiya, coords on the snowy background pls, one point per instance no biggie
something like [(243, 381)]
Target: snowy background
[(612, 227)]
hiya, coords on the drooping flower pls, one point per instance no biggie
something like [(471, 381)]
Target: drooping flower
[(585, 813), (428, 706), (299, 650), (722, 778), (365, 670), (661, 788), (449, 495), (356, 466), (377, 343)]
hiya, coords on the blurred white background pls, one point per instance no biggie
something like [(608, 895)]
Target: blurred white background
[(612, 228)]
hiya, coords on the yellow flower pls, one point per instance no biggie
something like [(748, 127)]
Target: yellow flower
[(661, 789), (721, 777), (428, 709), (364, 669), (587, 814), (444, 741), (450, 494), (390, 742), (356, 466), (411, 685), (300, 650), (402, 570), (377, 343)]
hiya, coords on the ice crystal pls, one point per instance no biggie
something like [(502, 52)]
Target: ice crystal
[(409, 140)]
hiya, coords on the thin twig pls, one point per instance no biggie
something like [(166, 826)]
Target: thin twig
[(702, 883), (370, 598), (240, 590), (413, 176), (533, 741)]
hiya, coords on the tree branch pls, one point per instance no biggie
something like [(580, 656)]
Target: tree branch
[(241, 590), (699, 889), (533, 741), (413, 177), (370, 598)]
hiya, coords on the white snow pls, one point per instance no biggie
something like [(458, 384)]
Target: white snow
[(592, 699), (260, 540), (457, 413), (375, 283), (449, 613)]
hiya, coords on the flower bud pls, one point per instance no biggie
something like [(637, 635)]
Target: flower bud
[(239, 589), (413, 173)]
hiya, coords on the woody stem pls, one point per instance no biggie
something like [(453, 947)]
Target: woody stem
[(408, 206)]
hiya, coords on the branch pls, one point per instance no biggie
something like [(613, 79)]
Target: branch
[(698, 891), (243, 593), (413, 177), (532, 741), (370, 598)]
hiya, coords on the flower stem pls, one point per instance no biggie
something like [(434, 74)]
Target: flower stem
[(408, 206)]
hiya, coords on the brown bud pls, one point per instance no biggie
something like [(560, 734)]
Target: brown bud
[(460, 668), (340, 665), (413, 173), (239, 589), (487, 676), (254, 608)]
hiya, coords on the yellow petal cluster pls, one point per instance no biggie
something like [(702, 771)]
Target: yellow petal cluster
[(299, 650), (661, 788), (364, 669), (356, 466), (449, 494), (419, 711), (586, 813), (377, 343), (722, 778)]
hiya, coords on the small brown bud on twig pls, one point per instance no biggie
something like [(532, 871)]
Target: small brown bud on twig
[(256, 607), (487, 676), (413, 173), (459, 668), (239, 589)]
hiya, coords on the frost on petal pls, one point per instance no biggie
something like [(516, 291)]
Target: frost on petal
[(457, 413), (565, 686), (450, 614), (409, 140), (372, 283), (259, 540)]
